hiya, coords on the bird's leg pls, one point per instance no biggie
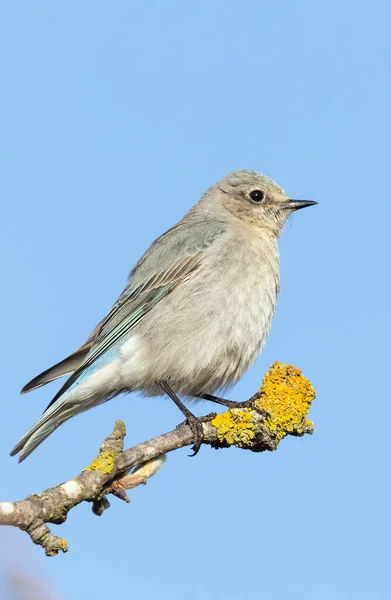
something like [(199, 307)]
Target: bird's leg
[(195, 423), (231, 404)]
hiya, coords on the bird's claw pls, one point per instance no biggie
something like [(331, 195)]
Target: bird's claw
[(195, 424)]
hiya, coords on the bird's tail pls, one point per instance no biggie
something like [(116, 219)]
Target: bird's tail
[(52, 418)]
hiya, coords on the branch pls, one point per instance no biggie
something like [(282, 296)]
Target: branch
[(285, 394)]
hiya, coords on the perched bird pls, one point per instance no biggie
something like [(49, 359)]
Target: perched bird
[(194, 315)]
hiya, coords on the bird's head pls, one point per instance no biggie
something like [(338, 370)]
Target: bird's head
[(257, 200)]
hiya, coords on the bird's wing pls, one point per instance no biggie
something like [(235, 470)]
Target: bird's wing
[(170, 261), (162, 259), (68, 365)]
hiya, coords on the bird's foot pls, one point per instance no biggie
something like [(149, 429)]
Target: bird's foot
[(195, 423), (250, 403)]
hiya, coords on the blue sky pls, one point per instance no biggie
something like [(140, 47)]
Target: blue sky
[(115, 117)]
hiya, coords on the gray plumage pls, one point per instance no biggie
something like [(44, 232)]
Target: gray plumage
[(196, 311)]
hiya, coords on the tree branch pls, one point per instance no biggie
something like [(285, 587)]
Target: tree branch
[(285, 395)]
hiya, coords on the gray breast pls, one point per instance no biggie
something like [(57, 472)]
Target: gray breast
[(204, 335)]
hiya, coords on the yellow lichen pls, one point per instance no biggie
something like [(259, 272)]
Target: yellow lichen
[(103, 463), (235, 426), (286, 395), (64, 545)]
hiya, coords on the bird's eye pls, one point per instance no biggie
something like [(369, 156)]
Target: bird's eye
[(257, 195)]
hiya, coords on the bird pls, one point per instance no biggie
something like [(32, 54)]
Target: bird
[(194, 315)]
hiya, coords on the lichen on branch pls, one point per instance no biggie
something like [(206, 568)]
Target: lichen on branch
[(285, 395)]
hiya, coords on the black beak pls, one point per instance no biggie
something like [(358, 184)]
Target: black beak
[(297, 204)]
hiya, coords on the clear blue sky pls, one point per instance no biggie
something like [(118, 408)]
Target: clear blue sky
[(115, 117)]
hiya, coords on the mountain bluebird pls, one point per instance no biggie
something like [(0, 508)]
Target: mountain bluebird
[(194, 315)]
